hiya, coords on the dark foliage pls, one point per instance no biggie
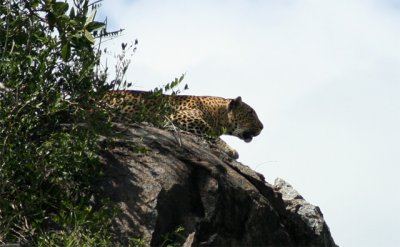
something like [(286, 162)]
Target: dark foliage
[(49, 124)]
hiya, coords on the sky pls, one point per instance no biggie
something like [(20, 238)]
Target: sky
[(323, 77)]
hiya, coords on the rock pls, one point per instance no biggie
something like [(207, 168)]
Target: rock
[(306, 217), (173, 187)]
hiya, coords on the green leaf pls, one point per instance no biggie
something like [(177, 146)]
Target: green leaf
[(51, 19), (94, 25), (66, 51), (90, 19), (89, 36), (60, 8), (72, 13), (41, 38)]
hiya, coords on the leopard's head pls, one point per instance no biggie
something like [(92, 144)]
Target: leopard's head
[(243, 120)]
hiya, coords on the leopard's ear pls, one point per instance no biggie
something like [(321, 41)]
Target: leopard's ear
[(235, 103)]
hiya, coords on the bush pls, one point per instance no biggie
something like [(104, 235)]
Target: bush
[(49, 125)]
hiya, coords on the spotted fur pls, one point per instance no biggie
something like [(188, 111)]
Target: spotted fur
[(206, 116)]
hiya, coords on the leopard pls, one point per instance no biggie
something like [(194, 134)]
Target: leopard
[(209, 117)]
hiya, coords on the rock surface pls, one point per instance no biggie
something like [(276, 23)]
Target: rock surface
[(173, 187)]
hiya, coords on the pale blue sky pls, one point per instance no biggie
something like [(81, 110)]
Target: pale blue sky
[(323, 76)]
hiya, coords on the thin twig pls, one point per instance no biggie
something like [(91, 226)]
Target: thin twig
[(176, 131)]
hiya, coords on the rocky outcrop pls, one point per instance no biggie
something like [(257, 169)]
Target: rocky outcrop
[(173, 187)]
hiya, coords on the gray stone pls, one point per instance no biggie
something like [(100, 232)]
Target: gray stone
[(307, 217), (164, 180)]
